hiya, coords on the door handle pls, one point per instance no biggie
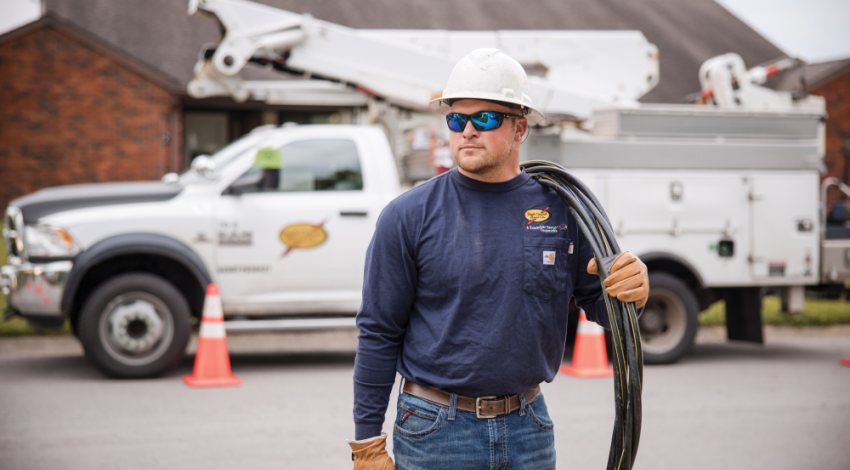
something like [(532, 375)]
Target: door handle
[(353, 213)]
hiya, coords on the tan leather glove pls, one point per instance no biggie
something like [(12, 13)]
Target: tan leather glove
[(629, 280), (371, 454)]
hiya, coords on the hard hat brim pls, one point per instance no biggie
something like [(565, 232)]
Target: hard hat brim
[(442, 106)]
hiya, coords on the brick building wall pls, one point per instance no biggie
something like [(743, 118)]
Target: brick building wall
[(71, 114), (837, 94)]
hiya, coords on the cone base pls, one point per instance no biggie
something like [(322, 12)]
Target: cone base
[(193, 381), (845, 361), (587, 373)]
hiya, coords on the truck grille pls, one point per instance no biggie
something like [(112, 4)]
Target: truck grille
[(13, 231)]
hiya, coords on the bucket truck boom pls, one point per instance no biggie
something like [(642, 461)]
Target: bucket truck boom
[(572, 72)]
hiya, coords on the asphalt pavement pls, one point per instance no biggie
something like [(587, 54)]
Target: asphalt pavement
[(785, 405)]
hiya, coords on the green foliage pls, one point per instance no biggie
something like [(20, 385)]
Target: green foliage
[(17, 326), (818, 312)]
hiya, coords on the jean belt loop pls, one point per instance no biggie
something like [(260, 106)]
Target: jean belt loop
[(521, 404), (400, 386), (452, 406)]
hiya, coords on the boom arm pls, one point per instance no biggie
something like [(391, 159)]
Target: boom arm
[(255, 32), (571, 72)]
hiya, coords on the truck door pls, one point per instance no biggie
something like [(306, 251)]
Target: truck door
[(785, 228), (294, 240)]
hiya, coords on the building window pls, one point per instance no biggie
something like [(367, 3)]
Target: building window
[(206, 132)]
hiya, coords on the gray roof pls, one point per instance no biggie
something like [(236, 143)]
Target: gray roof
[(687, 32), (815, 75)]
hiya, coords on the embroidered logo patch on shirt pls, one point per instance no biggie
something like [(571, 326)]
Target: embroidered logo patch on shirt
[(536, 215), (571, 248), (548, 257)]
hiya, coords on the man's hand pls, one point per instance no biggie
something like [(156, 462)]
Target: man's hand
[(371, 454), (628, 281)]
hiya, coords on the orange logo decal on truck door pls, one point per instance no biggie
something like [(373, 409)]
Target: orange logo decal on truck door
[(302, 236)]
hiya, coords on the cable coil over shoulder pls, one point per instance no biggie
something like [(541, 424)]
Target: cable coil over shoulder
[(622, 316)]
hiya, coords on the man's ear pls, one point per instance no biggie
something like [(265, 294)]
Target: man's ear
[(521, 129)]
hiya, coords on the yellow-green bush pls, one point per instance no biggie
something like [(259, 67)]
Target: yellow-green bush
[(817, 312)]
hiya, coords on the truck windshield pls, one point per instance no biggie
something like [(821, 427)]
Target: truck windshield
[(224, 157)]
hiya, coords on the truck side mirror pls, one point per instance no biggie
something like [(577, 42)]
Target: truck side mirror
[(203, 165)]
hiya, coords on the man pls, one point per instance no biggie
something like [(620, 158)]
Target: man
[(466, 291)]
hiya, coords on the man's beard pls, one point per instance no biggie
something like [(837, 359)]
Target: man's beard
[(489, 164)]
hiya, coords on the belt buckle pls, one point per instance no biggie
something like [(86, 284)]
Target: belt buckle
[(478, 407)]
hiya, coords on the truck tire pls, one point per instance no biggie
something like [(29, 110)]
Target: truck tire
[(135, 325), (669, 321)]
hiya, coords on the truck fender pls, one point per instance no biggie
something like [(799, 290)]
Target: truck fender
[(127, 244)]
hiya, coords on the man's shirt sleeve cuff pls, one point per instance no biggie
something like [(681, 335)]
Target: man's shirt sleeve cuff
[(367, 430)]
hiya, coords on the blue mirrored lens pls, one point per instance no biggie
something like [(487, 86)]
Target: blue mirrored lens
[(486, 121), (456, 122)]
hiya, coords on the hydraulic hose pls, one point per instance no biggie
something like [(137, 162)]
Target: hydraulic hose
[(622, 316)]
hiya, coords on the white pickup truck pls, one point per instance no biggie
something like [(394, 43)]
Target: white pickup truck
[(280, 219)]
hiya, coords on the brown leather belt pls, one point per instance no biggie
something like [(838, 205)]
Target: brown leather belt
[(483, 407)]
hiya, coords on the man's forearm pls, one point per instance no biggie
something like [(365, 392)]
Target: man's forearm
[(374, 377), (598, 312)]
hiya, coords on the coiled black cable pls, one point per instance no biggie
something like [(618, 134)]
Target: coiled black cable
[(622, 316)]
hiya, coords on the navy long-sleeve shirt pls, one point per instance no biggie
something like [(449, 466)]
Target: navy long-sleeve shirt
[(466, 289)]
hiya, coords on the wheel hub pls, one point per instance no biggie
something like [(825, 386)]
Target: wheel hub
[(136, 327), (663, 323), (651, 321)]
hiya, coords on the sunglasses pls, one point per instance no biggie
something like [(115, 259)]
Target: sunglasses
[(481, 121)]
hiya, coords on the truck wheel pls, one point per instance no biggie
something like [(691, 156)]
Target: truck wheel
[(135, 325), (669, 321)]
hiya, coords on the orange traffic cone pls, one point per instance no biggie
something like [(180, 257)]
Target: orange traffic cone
[(212, 361), (589, 356), (845, 361)]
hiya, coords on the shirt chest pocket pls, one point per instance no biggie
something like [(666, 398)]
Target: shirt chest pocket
[(545, 266)]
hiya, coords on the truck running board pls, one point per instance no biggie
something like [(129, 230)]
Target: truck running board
[(290, 324)]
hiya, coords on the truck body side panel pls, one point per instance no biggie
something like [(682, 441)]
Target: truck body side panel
[(700, 215)]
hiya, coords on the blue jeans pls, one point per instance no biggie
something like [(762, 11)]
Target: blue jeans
[(436, 437)]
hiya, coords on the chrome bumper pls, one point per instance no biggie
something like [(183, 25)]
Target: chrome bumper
[(35, 289)]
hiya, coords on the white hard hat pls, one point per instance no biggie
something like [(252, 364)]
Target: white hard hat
[(488, 74)]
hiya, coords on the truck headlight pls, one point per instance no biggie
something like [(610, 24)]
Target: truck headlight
[(49, 241)]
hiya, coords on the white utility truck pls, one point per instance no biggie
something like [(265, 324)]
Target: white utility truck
[(720, 200)]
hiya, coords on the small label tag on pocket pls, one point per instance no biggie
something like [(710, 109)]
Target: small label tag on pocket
[(548, 257), (571, 248)]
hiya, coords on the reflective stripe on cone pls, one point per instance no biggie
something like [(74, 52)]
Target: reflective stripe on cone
[(212, 328)]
